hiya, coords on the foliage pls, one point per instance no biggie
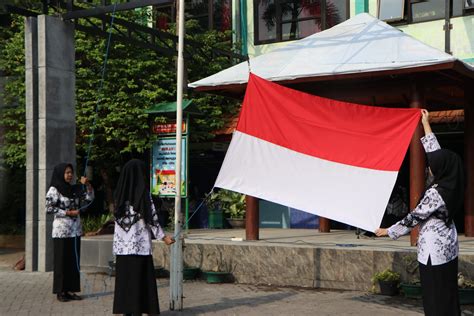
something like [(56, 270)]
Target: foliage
[(231, 203), (386, 275), (411, 267), (10, 229), (135, 79), (464, 283), (94, 223), (12, 201), (12, 114)]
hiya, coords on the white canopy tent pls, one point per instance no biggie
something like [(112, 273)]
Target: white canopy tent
[(361, 44)]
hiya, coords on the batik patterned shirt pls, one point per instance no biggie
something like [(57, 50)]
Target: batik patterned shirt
[(132, 236), (438, 238), (66, 226)]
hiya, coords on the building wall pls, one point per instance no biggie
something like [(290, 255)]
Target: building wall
[(431, 33)]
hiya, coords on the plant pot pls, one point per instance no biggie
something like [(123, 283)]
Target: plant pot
[(217, 277), (160, 272), (466, 296), (411, 290), (216, 220), (190, 273), (388, 287), (111, 268), (236, 222)]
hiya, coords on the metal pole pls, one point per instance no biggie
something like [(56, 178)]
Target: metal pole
[(176, 275), (447, 27)]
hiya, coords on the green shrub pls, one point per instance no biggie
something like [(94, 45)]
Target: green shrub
[(94, 223), (386, 275), (231, 203)]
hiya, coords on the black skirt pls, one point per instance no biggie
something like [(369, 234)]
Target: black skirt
[(440, 288), (135, 285), (66, 273)]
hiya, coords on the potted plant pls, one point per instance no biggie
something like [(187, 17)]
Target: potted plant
[(161, 272), (388, 281), (214, 207), (412, 287), (466, 289), (234, 207), (111, 267), (190, 272), (221, 272)]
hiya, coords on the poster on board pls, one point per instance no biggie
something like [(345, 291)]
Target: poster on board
[(163, 174)]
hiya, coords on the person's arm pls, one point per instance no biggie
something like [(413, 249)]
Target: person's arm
[(52, 198), (427, 206), (89, 194), (156, 228), (425, 121), (429, 141)]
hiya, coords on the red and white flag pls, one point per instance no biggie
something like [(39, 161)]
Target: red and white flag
[(334, 159)]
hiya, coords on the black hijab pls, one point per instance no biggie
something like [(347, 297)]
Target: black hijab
[(132, 188), (447, 170), (57, 180)]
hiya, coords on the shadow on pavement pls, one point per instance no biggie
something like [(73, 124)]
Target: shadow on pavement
[(230, 303)]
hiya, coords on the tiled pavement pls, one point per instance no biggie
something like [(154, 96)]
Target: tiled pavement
[(29, 293)]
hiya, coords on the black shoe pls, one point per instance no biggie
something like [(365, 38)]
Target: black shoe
[(73, 296), (62, 298)]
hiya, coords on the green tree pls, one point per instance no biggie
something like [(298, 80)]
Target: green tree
[(135, 80), (12, 96)]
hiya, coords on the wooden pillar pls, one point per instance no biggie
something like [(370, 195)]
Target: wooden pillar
[(469, 164), (324, 225), (251, 218), (417, 157)]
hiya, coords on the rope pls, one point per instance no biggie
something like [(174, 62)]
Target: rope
[(194, 213), (106, 57), (248, 64), (87, 285)]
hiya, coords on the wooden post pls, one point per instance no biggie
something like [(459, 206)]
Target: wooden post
[(251, 218), (324, 225), (417, 158), (469, 164)]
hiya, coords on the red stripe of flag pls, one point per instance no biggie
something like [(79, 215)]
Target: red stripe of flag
[(352, 134)]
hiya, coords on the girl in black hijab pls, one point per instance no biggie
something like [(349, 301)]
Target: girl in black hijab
[(136, 224), (438, 239), (64, 200)]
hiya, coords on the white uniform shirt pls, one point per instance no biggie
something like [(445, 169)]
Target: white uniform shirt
[(65, 226), (137, 240), (436, 239)]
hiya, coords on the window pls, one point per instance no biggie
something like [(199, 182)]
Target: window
[(469, 4), (391, 10), (164, 15), (413, 11), (282, 20), (211, 14), (428, 10), (198, 10), (221, 19)]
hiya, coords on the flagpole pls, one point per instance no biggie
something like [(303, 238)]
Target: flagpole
[(176, 265)]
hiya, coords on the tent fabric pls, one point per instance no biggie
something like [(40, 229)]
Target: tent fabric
[(360, 44), (330, 158)]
